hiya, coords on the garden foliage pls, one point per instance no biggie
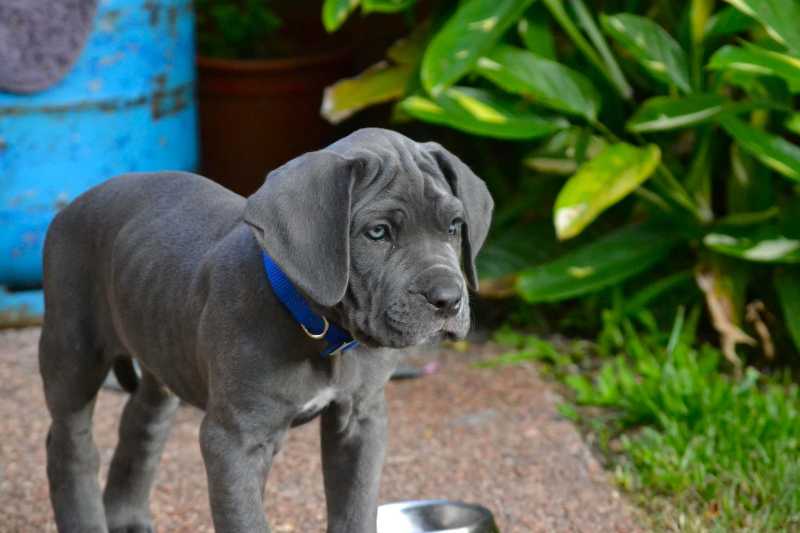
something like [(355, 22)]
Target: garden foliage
[(701, 450), (235, 28), (670, 127)]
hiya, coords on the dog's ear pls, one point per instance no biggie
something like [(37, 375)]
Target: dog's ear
[(301, 217), (478, 205)]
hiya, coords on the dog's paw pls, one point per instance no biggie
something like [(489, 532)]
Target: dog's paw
[(133, 528), (122, 516)]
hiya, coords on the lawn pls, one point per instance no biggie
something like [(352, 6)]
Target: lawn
[(700, 448)]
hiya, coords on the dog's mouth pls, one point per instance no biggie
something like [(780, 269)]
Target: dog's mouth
[(404, 334), (393, 330), (449, 335)]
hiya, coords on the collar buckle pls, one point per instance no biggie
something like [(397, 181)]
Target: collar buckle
[(338, 340), (316, 336)]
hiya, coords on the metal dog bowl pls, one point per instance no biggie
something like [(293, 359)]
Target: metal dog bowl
[(434, 516)]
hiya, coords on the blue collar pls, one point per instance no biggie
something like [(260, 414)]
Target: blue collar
[(313, 325)]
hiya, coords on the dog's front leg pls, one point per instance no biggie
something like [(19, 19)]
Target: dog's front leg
[(353, 447), (237, 464)]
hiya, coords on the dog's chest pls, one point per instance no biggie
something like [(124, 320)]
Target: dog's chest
[(314, 406)]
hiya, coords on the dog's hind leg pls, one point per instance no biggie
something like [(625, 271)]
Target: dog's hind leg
[(72, 375), (143, 432)]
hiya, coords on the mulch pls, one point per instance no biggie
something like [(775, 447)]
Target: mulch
[(490, 436)]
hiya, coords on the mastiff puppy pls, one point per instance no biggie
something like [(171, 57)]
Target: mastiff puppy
[(264, 311)]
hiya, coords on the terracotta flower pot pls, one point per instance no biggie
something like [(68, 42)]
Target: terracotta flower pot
[(257, 114)]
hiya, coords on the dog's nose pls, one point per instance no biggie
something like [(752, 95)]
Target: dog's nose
[(445, 298)]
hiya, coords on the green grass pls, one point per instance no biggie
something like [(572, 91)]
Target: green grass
[(700, 449)]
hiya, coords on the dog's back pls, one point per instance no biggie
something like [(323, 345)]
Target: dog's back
[(116, 247)]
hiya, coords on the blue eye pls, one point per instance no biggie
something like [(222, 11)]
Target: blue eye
[(378, 233), (454, 226)]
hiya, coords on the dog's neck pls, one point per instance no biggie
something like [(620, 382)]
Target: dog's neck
[(316, 325)]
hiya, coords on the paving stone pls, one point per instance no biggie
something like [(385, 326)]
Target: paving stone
[(491, 436)]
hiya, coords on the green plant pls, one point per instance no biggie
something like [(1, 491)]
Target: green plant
[(668, 125), (236, 28), (704, 451)]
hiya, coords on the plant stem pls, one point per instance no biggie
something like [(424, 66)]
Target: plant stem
[(556, 8), (697, 67), (603, 129), (614, 73), (744, 106), (653, 198), (676, 191), (672, 187)]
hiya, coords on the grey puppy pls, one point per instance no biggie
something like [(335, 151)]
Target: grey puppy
[(374, 230)]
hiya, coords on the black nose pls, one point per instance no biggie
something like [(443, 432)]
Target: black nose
[(445, 298)]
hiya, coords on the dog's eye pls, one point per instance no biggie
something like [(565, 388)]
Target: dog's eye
[(454, 226), (378, 233)]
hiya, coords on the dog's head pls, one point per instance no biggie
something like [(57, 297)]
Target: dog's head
[(381, 229)]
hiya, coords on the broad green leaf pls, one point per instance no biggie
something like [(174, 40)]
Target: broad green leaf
[(652, 291), (749, 218), (651, 46), (335, 12), (667, 113), (408, 50), (787, 285), (759, 243), (605, 262), (749, 186), (773, 151), (380, 83), (749, 82), (497, 261), (386, 6), (467, 35), (483, 113), (534, 30), (779, 17), (619, 83), (727, 21), (600, 183), (547, 82), (792, 123), (760, 61), (511, 250), (559, 154), (698, 180), (587, 22)]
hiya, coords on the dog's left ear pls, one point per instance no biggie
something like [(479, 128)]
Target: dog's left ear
[(301, 217), (478, 205)]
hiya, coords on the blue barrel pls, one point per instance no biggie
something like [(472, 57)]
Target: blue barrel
[(127, 105)]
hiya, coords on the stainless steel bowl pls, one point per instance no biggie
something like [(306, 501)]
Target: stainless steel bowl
[(434, 516)]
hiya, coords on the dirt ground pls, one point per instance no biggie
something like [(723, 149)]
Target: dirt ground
[(487, 436)]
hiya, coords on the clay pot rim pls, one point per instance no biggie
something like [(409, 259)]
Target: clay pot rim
[(277, 64)]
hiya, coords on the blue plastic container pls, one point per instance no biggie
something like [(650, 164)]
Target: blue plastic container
[(127, 105)]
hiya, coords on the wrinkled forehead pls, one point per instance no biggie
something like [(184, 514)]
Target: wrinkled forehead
[(397, 173), (404, 181)]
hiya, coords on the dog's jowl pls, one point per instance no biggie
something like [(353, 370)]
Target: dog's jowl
[(264, 311)]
